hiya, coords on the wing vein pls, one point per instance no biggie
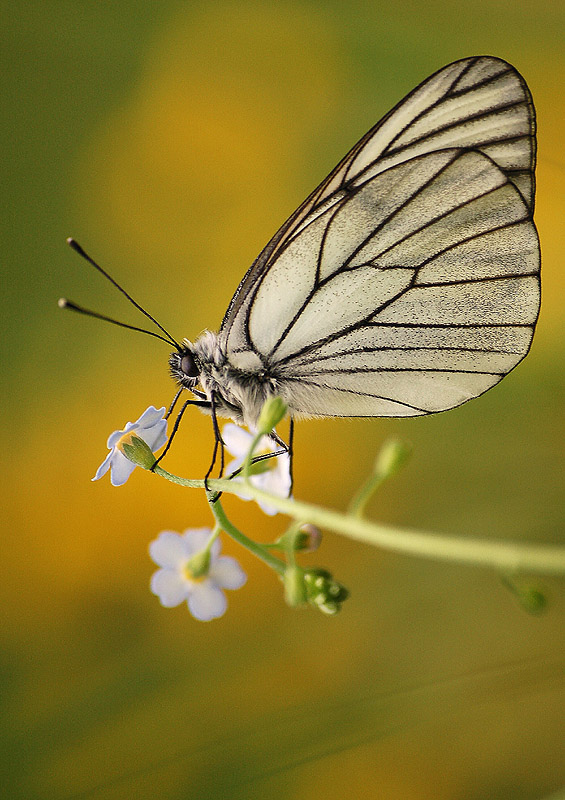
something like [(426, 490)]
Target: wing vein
[(484, 279), (493, 111), (353, 391), (429, 223)]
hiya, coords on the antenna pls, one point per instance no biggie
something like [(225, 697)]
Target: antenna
[(63, 303)]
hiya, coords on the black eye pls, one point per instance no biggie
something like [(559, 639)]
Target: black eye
[(188, 365)]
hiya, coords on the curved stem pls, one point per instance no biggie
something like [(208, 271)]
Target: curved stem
[(498, 554), (255, 548)]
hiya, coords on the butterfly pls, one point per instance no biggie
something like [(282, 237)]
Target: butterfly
[(406, 283)]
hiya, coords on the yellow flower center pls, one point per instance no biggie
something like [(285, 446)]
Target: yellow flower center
[(186, 571), (125, 438)]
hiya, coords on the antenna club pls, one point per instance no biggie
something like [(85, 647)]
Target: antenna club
[(76, 246), (62, 302)]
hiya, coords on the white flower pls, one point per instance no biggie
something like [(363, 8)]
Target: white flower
[(151, 427), (174, 582), (275, 479)]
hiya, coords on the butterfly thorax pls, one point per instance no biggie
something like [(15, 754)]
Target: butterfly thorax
[(238, 393)]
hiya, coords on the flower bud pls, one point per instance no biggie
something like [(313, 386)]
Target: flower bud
[(310, 538), (136, 450), (323, 591), (271, 414), (306, 539), (531, 597), (391, 457), (533, 600)]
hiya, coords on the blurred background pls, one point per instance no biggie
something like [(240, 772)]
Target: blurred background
[(172, 139)]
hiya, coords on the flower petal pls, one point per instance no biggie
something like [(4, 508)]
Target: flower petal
[(276, 481), (215, 549), (207, 601), (115, 437), (151, 416), (234, 465), (170, 587), (169, 549), (103, 468), (156, 436), (236, 440), (120, 468), (270, 511), (227, 573), (266, 445), (195, 539)]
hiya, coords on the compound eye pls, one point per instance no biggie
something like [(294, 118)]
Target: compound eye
[(188, 365)]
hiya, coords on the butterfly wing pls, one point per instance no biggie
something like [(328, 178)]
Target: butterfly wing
[(407, 282)]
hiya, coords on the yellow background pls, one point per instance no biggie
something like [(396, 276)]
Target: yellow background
[(172, 139)]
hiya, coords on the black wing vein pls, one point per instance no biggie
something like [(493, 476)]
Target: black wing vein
[(409, 278)]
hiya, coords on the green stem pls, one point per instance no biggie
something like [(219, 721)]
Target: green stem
[(501, 555), (255, 548), (213, 536), (359, 502), (249, 458)]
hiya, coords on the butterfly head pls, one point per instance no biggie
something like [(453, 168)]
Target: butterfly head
[(184, 366)]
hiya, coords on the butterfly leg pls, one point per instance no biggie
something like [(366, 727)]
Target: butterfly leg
[(173, 404), (256, 459), (218, 442), (199, 403), (287, 448), (291, 454), (284, 448)]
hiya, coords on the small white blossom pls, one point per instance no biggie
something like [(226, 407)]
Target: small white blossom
[(275, 479), (174, 582), (151, 427)]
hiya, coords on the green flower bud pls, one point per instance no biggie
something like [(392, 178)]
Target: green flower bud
[(531, 598), (309, 538), (271, 414), (534, 601), (323, 591), (391, 457), (136, 450), (306, 539)]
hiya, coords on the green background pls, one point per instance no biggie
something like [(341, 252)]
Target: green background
[(172, 139)]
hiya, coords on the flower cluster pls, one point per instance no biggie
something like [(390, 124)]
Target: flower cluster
[(191, 568)]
